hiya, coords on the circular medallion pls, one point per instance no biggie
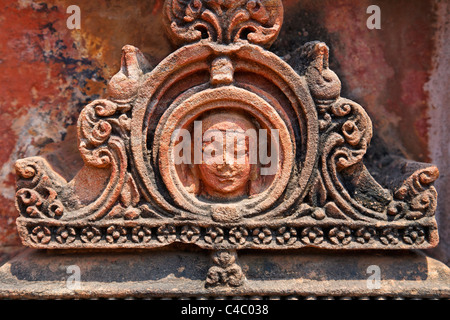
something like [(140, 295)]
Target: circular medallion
[(211, 181), (205, 98)]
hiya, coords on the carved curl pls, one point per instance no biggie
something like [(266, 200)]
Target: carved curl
[(94, 131), (416, 197), (36, 196), (352, 132)]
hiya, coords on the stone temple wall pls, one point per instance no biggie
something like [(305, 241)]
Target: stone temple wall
[(48, 73)]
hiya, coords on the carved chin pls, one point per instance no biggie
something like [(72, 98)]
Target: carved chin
[(226, 187)]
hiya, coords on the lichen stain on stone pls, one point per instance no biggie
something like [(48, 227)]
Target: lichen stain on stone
[(49, 73), (385, 69), (41, 75)]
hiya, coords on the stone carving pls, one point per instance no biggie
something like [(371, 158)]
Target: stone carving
[(257, 21), (137, 191), (225, 271)]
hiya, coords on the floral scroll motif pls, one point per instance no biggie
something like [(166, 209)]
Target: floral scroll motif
[(38, 196), (416, 197), (257, 21), (346, 132)]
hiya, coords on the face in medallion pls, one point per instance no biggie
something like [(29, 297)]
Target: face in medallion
[(225, 171)]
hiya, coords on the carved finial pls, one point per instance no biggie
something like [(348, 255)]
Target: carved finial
[(224, 21), (322, 81)]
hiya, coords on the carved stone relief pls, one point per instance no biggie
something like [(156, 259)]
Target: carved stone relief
[(141, 187)]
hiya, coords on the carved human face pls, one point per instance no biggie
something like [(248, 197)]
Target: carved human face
[(225, 170)]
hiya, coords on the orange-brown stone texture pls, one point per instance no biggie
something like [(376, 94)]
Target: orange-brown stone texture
[(49, 73)]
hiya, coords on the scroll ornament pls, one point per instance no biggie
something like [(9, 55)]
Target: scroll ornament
[(132, 194)]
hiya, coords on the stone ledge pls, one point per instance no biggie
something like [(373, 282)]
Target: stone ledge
[(179, 272)]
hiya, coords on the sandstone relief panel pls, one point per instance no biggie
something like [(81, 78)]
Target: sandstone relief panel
[(226, 146)]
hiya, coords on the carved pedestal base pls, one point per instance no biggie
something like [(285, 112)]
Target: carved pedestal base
[(175, 273)]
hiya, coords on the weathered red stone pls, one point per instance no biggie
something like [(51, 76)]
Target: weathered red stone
[(131, 194)]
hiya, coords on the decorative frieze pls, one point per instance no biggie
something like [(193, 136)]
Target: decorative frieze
[(158, 167)]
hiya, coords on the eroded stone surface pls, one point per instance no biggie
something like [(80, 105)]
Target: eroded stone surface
[(222, 77), (158, 274), (49, 67), (132, 192)]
